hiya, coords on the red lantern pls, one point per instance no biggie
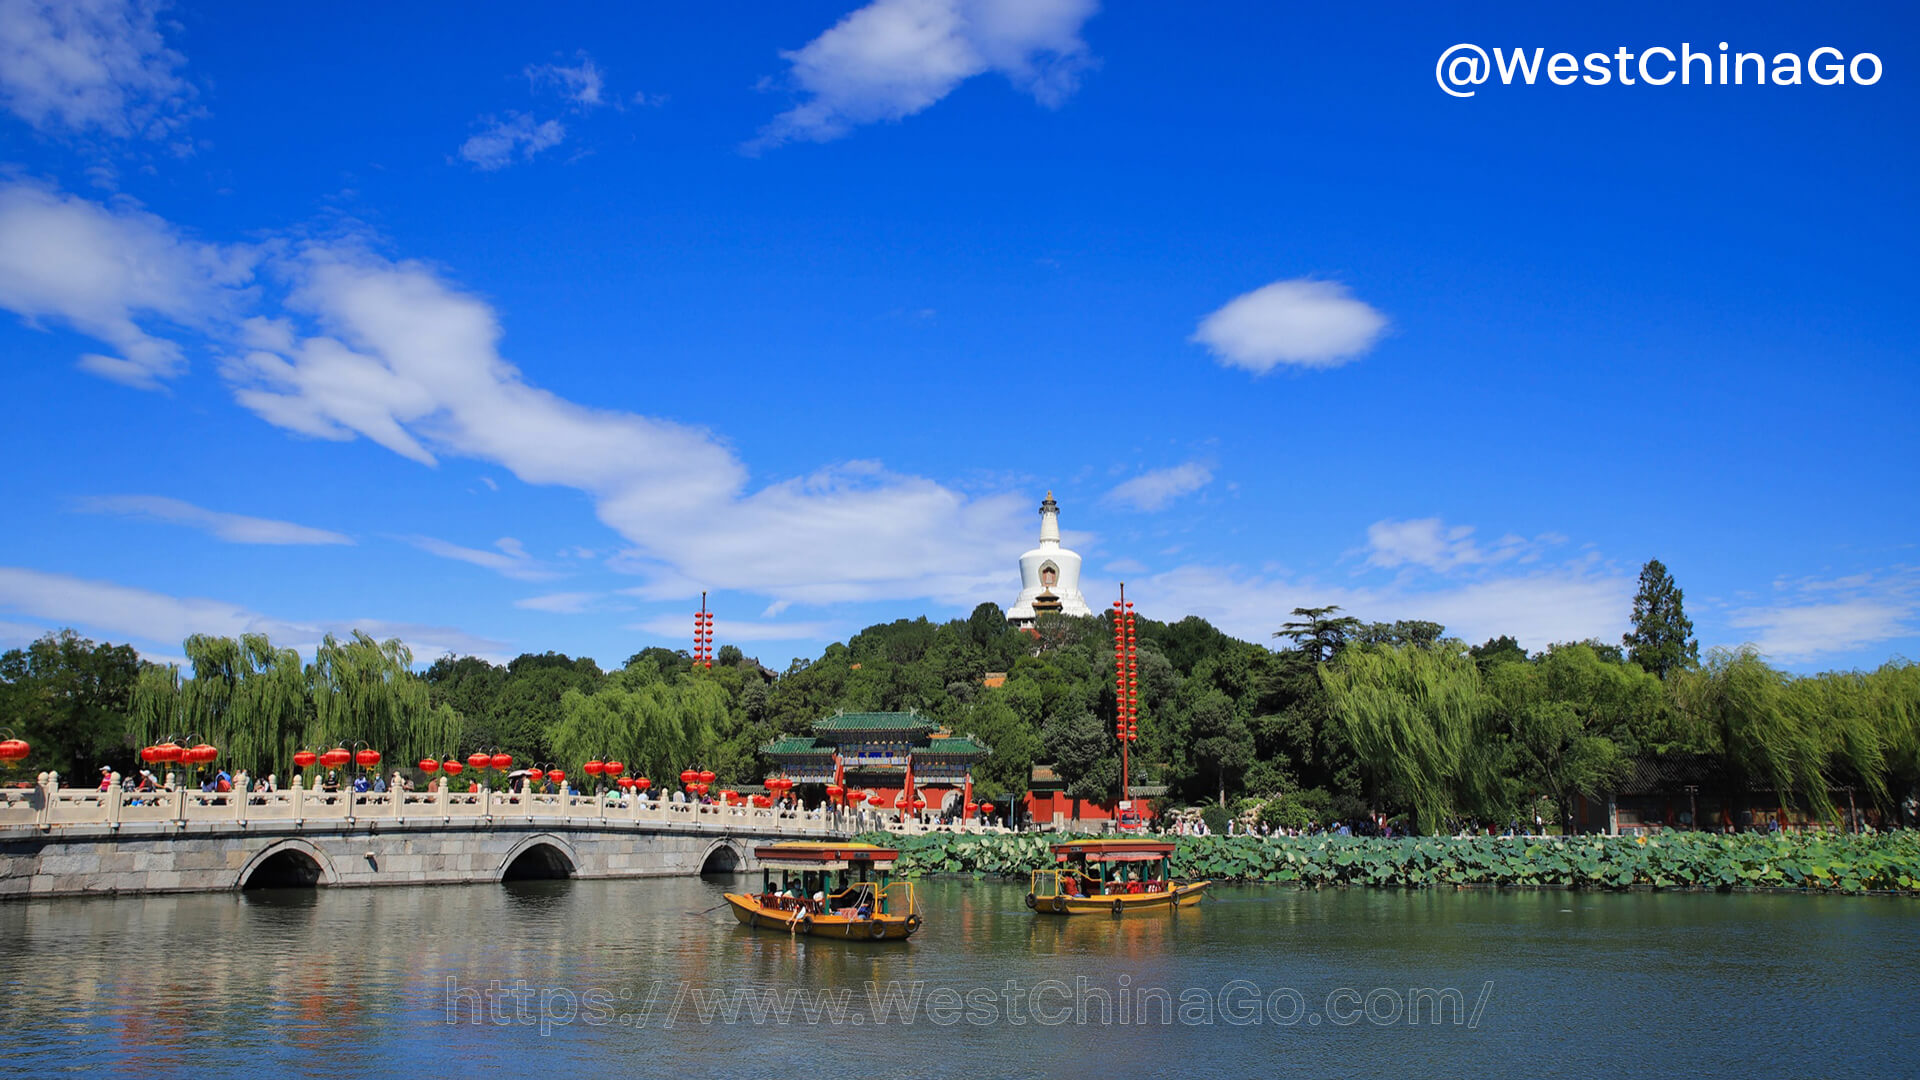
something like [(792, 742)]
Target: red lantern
[(688, 776), (452, 767), (624, 783), (537, 775), (429, 765), (556, 776), (335, 757), (151, 754), (876, 800), (762, 801), (986, 808), (503, 762), (479, 761), (615, 768), (834, 791), (919, 804), (301, 758), (973, 808), (706, 777), (642, 783), (367, 758), (594, 767), (167, 752), (14, 749)]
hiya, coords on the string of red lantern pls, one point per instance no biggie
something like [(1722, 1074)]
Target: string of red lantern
[(1126, 681), (703, 635)]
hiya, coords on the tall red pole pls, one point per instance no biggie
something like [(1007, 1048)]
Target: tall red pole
[(1126, 683), (703, 634)]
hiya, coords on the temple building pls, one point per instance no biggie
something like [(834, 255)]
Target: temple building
[(882, 755), (1049, 575)]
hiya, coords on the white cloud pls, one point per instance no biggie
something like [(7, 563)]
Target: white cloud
[(581, 83), (894, 58), (1540, 609), (1308, 323), (1154, 490), (502, 141), (364, 346), (733, 631), (1432, 543), (80, 66), (234, 528), (1803, 631), (566, 603), (412, 364), (1817, 617), (106, 270), (105, 608), (510, 560)]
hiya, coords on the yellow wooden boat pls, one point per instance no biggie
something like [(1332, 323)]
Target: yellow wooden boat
[(1111, 877), (830, 890)]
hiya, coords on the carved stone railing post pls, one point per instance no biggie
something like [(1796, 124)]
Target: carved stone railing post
[(113, 800)]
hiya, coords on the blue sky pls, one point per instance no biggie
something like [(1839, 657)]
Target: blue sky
[(513, 327)]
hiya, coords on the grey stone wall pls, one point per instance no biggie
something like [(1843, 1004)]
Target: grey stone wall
[(96, 860)]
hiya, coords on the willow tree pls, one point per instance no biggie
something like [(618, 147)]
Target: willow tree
[(1789, 732), (656, 727), (1420, 720), (155, 710), (365, 690), (246, 697)]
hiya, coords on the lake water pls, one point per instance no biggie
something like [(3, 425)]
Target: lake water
[(635, 978)]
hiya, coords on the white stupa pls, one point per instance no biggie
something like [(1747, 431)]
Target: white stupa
[(1049, 574)]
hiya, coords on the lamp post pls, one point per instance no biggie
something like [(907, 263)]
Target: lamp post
[(1693, 807)]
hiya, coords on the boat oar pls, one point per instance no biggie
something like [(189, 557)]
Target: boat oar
[(716, 907)]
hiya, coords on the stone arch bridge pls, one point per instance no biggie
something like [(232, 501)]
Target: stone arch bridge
[(64, 842)]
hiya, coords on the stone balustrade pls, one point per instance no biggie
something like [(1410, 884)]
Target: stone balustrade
[(46, 807)]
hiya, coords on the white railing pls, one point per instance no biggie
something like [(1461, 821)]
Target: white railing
[(47, 807)]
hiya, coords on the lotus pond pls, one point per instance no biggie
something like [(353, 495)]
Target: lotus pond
[(1823, 862)]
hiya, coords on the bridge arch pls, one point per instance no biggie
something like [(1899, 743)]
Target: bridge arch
[(287, 864), (722, 857), (542, 856)]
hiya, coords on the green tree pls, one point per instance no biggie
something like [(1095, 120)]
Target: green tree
[(1661, 640), (366, 690), (1559, 712), (1222, 743), (1084, 753), (1420, 720), (1319, 633), (68, 698)]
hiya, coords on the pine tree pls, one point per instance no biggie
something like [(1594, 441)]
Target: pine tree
[(1662, 636)]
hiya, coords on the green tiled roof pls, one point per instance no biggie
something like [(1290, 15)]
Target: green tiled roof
[(957, 746), (796, 746), (874, 721)]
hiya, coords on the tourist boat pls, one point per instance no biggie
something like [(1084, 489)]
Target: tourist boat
[(1111, 877), (856, 901)]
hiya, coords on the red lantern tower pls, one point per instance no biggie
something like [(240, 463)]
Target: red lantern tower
[(703, 635), (1126, 682)]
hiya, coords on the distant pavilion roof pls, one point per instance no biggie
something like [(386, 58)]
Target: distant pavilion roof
[(902, 722), (834, 734)]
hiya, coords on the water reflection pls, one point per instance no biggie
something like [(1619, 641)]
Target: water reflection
[(321, 982)]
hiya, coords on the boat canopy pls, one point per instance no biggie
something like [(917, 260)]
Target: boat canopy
[(824, 856), (1113, 850)]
